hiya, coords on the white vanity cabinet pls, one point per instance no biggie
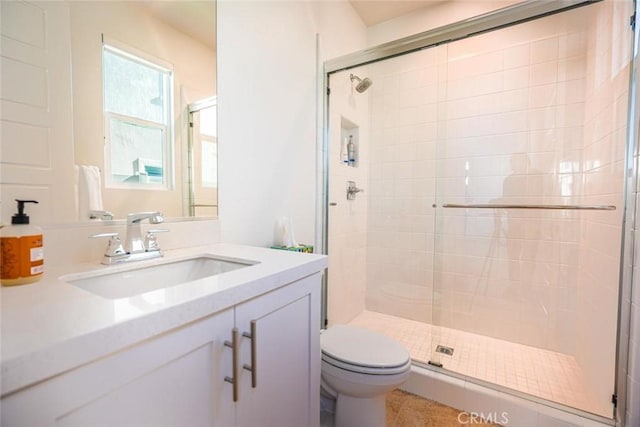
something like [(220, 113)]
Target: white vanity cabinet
[(178, 378), (287, 358)]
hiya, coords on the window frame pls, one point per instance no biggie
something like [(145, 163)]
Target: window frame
[(167, 128)]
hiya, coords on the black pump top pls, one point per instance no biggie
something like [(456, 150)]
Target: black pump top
[(21, 217)]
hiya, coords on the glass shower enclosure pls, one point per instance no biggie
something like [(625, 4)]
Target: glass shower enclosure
[(494, 168)]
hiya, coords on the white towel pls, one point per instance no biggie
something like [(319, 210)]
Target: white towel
[(89, 191)]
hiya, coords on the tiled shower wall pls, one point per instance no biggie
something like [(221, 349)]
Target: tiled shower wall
[(528, 115), (347, 239)]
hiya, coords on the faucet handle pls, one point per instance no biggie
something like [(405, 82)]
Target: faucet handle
[(151, 240), (103, 215), (114, 246), (153, 217)]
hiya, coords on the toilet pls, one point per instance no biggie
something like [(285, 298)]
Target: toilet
[(359, 367)]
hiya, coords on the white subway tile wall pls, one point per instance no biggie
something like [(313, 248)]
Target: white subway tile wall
[(347, 239), (531, 114)]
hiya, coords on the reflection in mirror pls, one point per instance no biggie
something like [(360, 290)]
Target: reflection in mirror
[(137, 119), (143, 160), (203, 158)]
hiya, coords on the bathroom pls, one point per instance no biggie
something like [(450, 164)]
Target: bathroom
[(271, 78)]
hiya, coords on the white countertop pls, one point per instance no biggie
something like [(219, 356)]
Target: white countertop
[(51, 326)]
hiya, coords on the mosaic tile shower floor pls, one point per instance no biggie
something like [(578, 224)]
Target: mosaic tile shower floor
[(541, 373)]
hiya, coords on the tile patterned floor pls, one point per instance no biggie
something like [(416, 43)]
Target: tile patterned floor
[(542, 373), (408, 410)]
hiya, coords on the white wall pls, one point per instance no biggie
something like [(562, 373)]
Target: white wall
[(194, 66), (268, 110)]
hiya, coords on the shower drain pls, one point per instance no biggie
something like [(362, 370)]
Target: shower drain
[(444, 350)]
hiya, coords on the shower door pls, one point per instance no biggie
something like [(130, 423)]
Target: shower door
[(203, 158), (490, 227), (530, 147)]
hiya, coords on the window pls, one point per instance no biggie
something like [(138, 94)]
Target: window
[(137, 96)]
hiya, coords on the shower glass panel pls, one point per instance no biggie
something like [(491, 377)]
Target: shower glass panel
[(203, 158), (530, 169), (496, 199), (401, 217)]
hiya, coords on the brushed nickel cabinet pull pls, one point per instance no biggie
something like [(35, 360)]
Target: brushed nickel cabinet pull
[(234, 344), (253, 368)]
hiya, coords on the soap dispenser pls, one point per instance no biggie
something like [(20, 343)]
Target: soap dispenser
[(21, 250)]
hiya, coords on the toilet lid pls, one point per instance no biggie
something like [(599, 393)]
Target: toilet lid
[(362, 347)]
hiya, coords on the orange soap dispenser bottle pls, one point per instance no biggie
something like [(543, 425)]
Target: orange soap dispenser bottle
[(21, 251)]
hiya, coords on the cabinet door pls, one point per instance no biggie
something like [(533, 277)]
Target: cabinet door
[(287, 331), (176, 379)]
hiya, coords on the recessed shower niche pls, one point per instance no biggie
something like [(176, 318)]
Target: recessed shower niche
[(349, 142)]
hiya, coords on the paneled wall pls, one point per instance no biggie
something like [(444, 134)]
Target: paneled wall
[(35, 100)]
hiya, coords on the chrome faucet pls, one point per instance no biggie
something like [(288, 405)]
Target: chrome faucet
[(134, 242), (135, 247)]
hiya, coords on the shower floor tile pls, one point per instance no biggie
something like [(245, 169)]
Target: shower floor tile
[(542, 373)]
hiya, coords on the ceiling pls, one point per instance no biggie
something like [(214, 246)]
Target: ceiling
[(373, 12), (197, 18)]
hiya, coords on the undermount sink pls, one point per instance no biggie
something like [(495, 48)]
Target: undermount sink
[(132, 282)]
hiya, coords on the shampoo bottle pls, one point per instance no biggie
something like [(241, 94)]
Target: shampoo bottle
[(21, 251), (344, 155), (351, 151)]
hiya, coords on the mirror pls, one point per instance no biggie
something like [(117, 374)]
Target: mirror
[(180, 34)]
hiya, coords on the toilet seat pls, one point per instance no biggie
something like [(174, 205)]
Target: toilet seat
[(363, 351), (366, 369)]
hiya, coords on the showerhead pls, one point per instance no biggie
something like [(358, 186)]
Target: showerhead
[(363, 84)]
